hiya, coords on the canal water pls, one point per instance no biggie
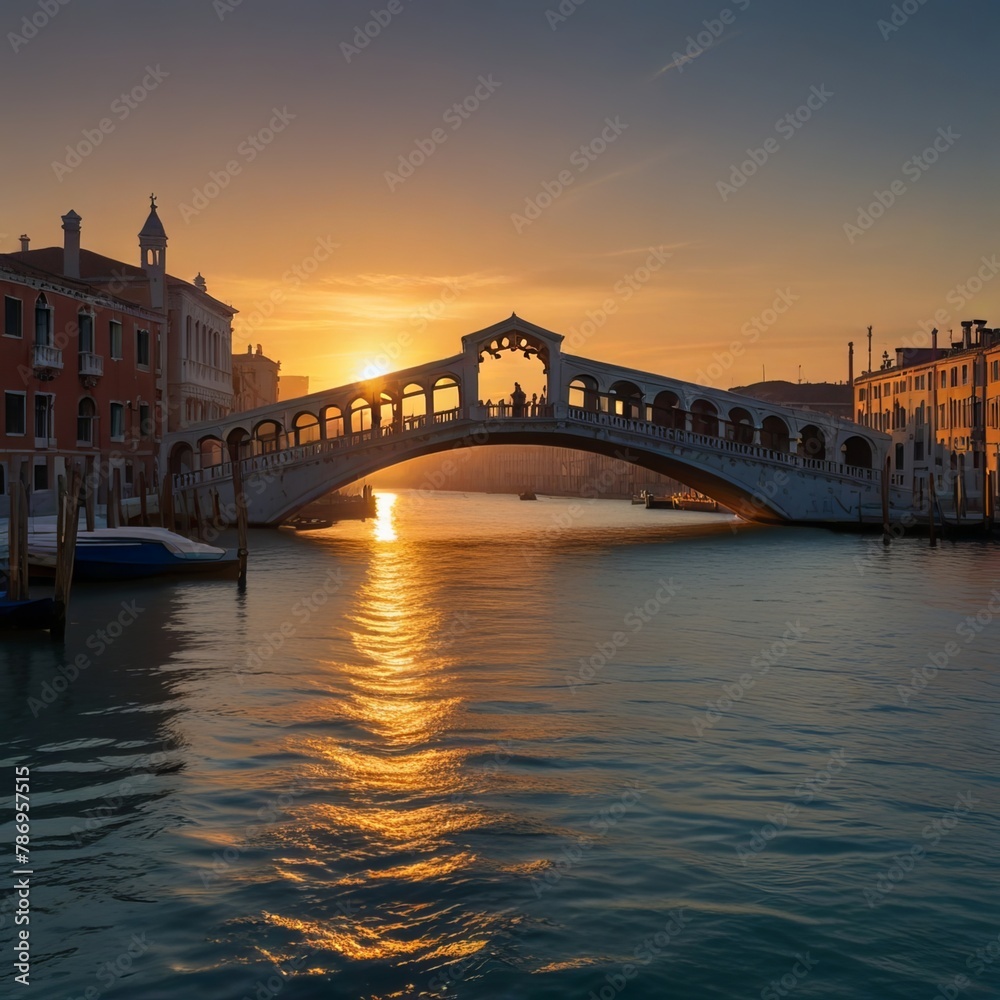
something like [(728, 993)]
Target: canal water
[(482, 748)]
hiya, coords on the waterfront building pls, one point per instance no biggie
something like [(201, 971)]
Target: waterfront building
[(255, 379), (196, 343), (941, 404), (81, 372)]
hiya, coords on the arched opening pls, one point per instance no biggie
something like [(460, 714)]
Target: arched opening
[(445, 396), (43, 322), (774, 434), (360, 416), (857, 452), (86, 413), (238, 444), (267, 435), (333, 422), (584, 394), (210, 452), (667, 411), (305, 428), (812, 443), (181, 458), (740, 427), (625, 400), (704, 418), (413, 405)]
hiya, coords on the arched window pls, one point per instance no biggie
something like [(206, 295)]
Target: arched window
[(85, 415), (333, 421), (740, 426), (306, 428), (667, 410), (267, 434), (857, 452), (446, 395), (583, 393), (813, 442), (43, 321), (774, 434), (360, 416), (704, 418), (626, 401)]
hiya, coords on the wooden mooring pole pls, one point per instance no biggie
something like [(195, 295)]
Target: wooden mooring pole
[(886, 536), (67, 525), (933, 499), (241, 515)]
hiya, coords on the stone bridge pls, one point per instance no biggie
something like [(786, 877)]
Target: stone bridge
[(768, 463)]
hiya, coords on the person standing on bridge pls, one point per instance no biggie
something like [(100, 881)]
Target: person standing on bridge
[(517, 398)]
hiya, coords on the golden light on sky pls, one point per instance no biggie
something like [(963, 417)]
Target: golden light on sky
[(365, 210)]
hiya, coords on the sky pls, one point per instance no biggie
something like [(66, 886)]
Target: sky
[(623, 171)]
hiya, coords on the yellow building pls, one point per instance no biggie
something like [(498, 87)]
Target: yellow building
[(941, 404), (255, 380)]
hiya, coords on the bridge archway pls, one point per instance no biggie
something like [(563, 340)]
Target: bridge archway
[(774, 434), (705, 418), (857, 452), (585, 394), (626, 400), (741, 426), (267, 436), (446, 394), (181, 458), (238, 443), (211, 451), (333, 422), (812, 443), (306, 428), (667, 410)]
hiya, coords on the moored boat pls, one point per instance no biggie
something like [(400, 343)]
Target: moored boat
[(128, 554), (694, 501), (527, 495)]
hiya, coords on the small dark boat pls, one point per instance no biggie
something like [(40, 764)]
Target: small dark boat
[(23, 616), (300, 523), (694, 501), (658, 503), (528, 495)]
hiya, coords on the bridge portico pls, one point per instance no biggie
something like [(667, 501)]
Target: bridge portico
[(767, 462)]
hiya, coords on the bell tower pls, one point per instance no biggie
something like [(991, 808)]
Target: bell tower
[(153, 250)]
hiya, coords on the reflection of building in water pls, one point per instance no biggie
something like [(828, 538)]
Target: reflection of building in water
[(511, 468)]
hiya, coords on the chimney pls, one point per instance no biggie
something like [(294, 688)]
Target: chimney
[(980, 332), (850, 362), (24, 242), (966, 333), (71, 244), (200, 283)]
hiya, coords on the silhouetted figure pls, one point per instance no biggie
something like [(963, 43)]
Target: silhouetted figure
[(517, 398), (534, 404)]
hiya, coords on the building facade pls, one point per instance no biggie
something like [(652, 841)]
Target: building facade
[(942, 407), (82, 377), (255, 379)]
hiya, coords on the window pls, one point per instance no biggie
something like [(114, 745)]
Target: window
[(861, 395), (159, 351), (965, 374), (900, 450), (12, 317), (41, 476), (995, 371), (85, 414), (142, 348), (954, 376), (145, 420), (43, 322), (3, 479), (85, 321), (115, 339), (944, 380), (117, 421), (43, 416), (14, 413)]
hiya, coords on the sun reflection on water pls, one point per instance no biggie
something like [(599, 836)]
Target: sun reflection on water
[(385, 526)]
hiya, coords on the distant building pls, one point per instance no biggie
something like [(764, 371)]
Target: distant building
[(832, 398), (942, 407), (196, 347), (255, 380), (293, 386)]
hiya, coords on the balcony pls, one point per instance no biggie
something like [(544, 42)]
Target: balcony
[(91, 364), (91, 368), (47, 361)]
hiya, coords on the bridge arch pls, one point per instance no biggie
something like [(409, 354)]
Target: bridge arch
[(332, 422), (626, 400), (267, 436), (774, 434), (585, 393), (306, 427), (812, 442), (740, 427), (705, 418), (667, 410), (446, 394), (857, 452)]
